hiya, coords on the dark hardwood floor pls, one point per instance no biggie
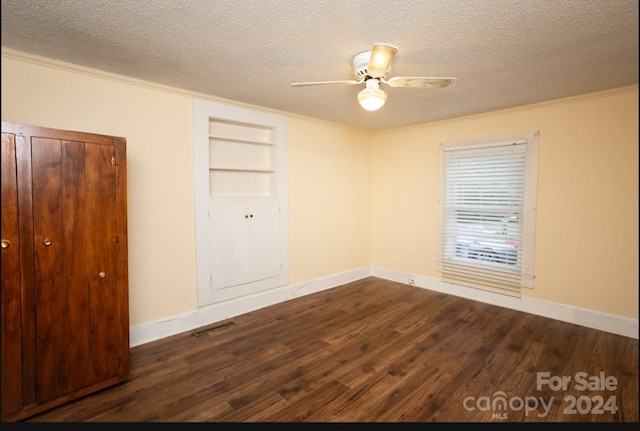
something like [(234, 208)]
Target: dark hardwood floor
[(375, 351)]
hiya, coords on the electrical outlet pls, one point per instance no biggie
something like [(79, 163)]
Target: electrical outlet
[(411, 280)]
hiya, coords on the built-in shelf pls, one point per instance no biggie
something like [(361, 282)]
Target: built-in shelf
[(239, 141), (227, 182), (217, 168), (241, 159), (240, 132)]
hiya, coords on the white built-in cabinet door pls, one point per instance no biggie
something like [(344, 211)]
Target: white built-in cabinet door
[(245, 241)]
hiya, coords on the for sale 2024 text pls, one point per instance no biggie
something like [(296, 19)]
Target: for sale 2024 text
[(583, 404)]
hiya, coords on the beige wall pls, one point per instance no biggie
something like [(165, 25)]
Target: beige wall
[(329, 200), (329, 178), (587, 218), (158, 129), (355, 198)]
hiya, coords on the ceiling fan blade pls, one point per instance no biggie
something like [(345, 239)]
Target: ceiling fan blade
[(382, 55), (345, 82), (416, 81)]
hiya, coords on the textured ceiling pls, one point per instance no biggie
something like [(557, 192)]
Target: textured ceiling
[(505, 53)]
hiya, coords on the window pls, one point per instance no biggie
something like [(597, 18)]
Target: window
[(488, 211)]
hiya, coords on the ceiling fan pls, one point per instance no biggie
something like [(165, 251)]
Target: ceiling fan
[(372, 68)]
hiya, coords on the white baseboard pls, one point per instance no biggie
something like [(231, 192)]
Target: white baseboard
[(580, 316), (207, 315), (210, 314)]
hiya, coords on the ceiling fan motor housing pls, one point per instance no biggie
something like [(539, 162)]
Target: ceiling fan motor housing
[(360, 64)]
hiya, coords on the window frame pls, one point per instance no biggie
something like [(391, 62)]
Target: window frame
[(471, 273)]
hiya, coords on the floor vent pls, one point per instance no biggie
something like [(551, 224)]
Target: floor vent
[(208, 329)]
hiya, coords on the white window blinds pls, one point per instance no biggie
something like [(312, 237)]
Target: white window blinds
[(487, 212)]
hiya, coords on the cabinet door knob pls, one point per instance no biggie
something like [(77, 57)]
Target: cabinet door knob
[(102, 275), (6, 243), (47, 242)]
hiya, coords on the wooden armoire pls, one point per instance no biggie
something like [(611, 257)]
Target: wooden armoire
[(65, 315)]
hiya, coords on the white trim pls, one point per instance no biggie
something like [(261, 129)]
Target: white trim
[(466, 272), (207, 315), (155, 330), (482, 143), (492, 141), (203, 112), (620, 325)]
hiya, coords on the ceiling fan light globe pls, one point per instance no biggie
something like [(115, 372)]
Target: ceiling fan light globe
[(372, 97), (372, 100)]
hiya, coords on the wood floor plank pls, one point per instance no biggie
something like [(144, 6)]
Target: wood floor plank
[(303, 408), (369, 351)]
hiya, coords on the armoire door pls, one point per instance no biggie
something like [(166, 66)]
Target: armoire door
[(75, 238), (11, 301)]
